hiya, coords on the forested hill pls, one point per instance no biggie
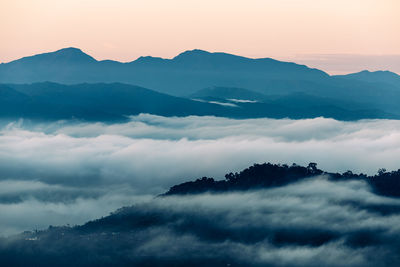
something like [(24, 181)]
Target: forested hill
[(187, 228), (269, 175)]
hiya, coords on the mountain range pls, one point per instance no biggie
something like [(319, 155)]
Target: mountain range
[(71, 84), (184, 74), (116, 102)]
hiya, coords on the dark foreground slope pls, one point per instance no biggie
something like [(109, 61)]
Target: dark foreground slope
[(267, 215)]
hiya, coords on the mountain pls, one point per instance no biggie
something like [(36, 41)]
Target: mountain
[(268, 175), (69, 55), (100, 102), (64, 64), (296, 105), (12, 102), (195, 70), (182, 75), (281, 88), (374, 77), (116, 101)]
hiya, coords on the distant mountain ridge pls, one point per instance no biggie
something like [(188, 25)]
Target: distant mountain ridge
[(376, 76), (98, 102), (71, 55), (185, 73), (281, 89), (117, 101)]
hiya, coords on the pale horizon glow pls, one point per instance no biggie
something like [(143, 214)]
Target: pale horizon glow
[(124, 30)]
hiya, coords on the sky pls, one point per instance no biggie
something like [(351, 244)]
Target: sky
[(126, 29)]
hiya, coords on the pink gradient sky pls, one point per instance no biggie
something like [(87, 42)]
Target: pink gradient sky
[(126, 29)]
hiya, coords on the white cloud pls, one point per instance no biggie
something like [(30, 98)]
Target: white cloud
[(150, 153)]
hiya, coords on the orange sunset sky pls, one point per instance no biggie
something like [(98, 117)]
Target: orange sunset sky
[(308, 31)]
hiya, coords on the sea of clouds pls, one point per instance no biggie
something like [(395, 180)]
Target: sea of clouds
[(70, 172)]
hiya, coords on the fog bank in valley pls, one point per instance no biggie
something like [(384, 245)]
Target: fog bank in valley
[(70, 172)]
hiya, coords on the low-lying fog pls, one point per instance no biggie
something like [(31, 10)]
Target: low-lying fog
[(69, 172)]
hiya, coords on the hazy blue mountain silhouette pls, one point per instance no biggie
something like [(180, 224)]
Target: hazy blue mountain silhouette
[(101, 102), (355, 96), (182, 75), (66, 55), (374, 77), (116, 101), (295, 104), (193, 70)]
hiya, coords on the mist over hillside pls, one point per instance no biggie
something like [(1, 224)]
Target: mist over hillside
[(272, 213)]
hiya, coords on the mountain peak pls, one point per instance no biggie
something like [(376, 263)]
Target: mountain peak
[(148, 59), (65, 55), (378, 73), (202, 58), (72, 50), (71, 53), (383, 76), (192, 53)]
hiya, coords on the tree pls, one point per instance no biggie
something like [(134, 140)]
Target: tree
[(312, 167), (381, 171)]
